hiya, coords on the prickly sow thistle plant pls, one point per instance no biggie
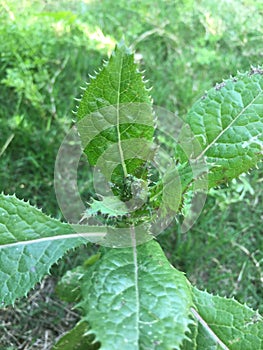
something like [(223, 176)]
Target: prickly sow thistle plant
[(148, 168)]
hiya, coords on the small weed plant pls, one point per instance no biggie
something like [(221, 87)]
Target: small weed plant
[(149, 168)]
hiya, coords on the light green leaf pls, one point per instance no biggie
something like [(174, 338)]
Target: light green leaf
[(68, 287), (228, 123), (116, 122), (76, 339), (190, 342), (109, 205), (134, 299), (226, 324), (30, 243)]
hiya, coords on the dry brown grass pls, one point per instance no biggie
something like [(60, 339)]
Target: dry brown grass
[(36, 322)]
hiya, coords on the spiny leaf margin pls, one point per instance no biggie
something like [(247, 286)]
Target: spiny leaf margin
[(141, 305), (25, 258), (228, 124), (236, 325)]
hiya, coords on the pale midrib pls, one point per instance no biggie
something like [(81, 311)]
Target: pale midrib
[(228, 127), (136, 280), (53, 238), (209, 330), (125, 172)]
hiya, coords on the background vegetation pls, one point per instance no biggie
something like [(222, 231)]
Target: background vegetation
[(47, 49)]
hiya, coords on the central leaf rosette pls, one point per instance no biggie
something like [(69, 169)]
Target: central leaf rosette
[(148, 165), (137, 182), (116, 127)]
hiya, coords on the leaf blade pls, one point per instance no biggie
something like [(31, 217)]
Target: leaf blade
[(115, 119), (76, 339), (152, 315), (30, 243), (228, 124), (236, 325)]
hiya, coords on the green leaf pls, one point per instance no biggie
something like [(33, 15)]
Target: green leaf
[(226, 324), (76, 339), (68, 287), (30, 243), (228, 123), (190, 342), (116, 121), (133, 299), (110, 206)]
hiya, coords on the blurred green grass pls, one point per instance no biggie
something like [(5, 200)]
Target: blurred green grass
[(47, 50)]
